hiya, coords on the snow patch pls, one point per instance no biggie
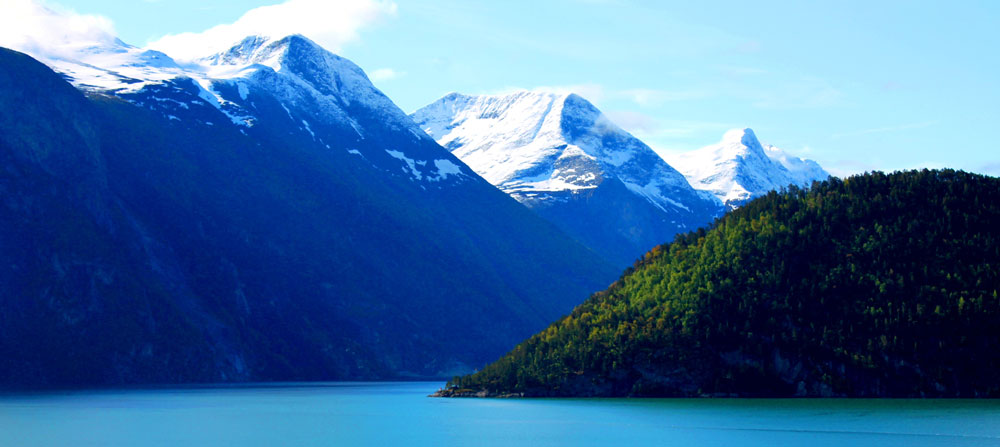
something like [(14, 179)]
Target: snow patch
[(446, 168), (617, 158), (309, 129), (652, 193), (409, 162)]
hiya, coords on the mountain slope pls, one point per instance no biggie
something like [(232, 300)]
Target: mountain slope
[(563, 158), (739, 168), (267, 218), (877, 285)]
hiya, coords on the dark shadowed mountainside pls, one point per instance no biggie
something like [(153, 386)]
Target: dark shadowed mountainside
[(139, 245)]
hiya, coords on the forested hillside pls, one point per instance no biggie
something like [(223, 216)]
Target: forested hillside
[(876, 285)]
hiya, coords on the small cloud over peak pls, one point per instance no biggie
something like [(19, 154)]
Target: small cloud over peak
[(330, 23), (633, 121), (385, 74)]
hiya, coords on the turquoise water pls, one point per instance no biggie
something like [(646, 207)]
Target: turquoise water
[(389, 414)]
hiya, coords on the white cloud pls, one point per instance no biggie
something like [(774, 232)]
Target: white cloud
[(669, 137), (48, 31), (633, 121), (385, 74), (331, 23)]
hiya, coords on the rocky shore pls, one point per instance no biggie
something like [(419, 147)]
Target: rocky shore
[(455, 391)]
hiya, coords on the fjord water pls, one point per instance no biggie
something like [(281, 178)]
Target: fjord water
[(385, 414)]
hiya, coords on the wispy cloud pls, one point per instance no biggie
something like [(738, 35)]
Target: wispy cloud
[(49, 31), (669, 137), (632, 121), (331, 23), (385, 74), (897, 128)]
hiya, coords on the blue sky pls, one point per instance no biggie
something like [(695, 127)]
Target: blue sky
[(854, 85)]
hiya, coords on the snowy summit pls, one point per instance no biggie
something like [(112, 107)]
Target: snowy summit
[(739, 168), (561, 156), (323, 97), (540, 146)]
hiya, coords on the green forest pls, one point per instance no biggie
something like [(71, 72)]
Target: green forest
[(880, 285)]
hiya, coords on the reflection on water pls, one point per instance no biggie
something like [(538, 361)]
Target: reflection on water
[(345, 414)]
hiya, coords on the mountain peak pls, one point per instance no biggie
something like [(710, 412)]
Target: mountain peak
[(744, 136), (265, 50), (739, 168), (303, 60), (516, 140), (556, 151), (240, 53), (299, 45)]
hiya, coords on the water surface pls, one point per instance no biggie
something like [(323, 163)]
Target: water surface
[(386, 414)]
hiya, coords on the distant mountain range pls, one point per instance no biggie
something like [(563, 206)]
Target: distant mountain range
[(266, 213), (262, 214), (563, 158)]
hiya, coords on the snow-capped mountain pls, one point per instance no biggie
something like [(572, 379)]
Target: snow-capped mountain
[(803, 171), (739, 168), (263, 213), (315, 88), (561, 156)]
